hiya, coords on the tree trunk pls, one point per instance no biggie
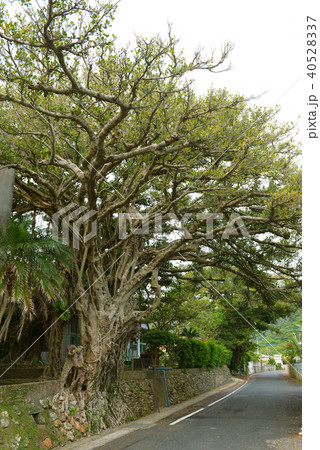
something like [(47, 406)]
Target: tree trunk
[(54, 338), (92, 372), (106, 327), (238, 354)]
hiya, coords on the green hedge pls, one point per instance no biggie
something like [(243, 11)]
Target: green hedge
[(193, 353), (187, 353)]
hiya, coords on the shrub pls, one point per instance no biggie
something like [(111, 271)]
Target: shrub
[(156, 339), (188, 353), (193, 353), (278, 366), (183, 354), (198, 350)]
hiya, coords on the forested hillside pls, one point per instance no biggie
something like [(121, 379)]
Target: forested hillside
[(280, 333)]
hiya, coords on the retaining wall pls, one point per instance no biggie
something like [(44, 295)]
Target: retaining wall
[(31, 415), (185, 384), (294, 371)]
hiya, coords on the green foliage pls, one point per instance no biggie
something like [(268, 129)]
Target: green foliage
[(179, 307), (278, 366), (59, 307), (29, 268), (202, 312), (190, 332), (194, 353), (187, 352), (157, 339), (293, 350), (272, 361), (253, 356), (183, 353), (280, 333)]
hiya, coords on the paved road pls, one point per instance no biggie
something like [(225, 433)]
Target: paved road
[(264, 413)]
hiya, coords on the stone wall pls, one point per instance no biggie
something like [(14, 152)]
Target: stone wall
[(37, 415), (25, 420), (181, 385), (185, 384), (139, 394)]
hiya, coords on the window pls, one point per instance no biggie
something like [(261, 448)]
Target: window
[(74, 332)]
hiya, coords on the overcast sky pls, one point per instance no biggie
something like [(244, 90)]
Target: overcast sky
[(269, 41)]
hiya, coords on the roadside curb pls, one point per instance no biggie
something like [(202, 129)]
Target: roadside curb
[(149, 421)]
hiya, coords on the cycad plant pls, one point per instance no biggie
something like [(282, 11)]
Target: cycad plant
[(29, 265), (190, 333)]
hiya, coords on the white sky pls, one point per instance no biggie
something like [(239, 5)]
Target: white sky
[(269, 56), (268, 38)]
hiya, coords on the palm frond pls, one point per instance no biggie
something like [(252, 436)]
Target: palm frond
[(28, 264)]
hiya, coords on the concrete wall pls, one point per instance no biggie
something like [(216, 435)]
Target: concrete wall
[(259, 366), (294, 371)]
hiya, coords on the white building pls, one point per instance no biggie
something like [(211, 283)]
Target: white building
[(278, 359)]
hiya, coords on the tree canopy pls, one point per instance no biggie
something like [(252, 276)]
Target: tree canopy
[(121, 131), (218, 305)]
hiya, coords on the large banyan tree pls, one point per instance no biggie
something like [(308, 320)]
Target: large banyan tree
[(121, 133)]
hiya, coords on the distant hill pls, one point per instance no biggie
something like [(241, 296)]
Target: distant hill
[(280, 333)]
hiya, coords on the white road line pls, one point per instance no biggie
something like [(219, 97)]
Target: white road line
[(211, 404), (231, 393), (185, 417)]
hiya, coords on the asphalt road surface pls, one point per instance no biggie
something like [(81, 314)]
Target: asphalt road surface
[(264, 413)]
